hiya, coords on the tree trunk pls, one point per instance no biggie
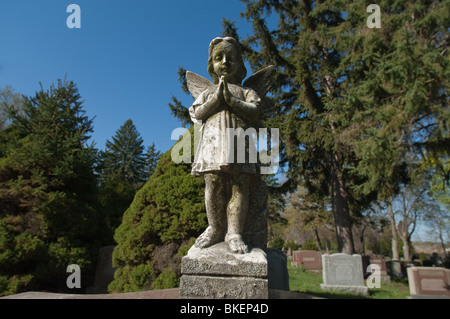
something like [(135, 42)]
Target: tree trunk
[(395, 253), (327, 246), (361, 238), (340, 208), (316, 235), (406, 247), (441, 238)]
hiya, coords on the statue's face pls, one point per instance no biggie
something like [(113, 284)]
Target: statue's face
[(225, 62)]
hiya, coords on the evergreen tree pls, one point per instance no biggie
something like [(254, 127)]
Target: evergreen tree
[(177, 109), (308, 92), (153, 157), (48, 197), (8, 100), (403, 112), (124, 158), (124, 167)]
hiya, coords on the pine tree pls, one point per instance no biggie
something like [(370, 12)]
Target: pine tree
[(307, 92), (124, 158), (124, 168), (48, 192), (8, 100), (152, 158)]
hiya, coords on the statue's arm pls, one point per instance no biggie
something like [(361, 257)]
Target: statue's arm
[(249, 108), (208, 103), (204, 109)]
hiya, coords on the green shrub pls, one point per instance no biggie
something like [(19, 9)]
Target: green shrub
[(131, 279), (309, 245), (277, 243), (167, 279), (290, 244), (169, 208)]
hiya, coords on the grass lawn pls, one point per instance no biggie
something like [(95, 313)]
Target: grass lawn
[(309, 283)]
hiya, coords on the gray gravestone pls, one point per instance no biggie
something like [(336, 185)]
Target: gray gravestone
[(342, 272)]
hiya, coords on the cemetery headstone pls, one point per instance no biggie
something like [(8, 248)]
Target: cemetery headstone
[(380, 262), (295, 261), (310, 259), (104, 273), (394, 269), (429, 282), (343, 272)]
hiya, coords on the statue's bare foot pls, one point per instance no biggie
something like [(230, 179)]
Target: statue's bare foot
[(208, 238), (236, 243)]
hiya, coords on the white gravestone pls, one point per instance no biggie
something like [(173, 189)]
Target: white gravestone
[(342, 272)]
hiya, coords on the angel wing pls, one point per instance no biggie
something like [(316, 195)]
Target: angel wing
[(197, 84), (261, 82)]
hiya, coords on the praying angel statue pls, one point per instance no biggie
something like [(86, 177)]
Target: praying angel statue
[(235, 194)]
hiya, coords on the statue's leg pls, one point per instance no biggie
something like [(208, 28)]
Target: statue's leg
[(237, 211), (215, 202)]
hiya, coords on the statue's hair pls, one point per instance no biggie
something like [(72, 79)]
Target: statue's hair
[(242, 70)]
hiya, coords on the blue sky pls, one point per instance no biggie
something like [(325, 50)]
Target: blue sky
[(124, 59)]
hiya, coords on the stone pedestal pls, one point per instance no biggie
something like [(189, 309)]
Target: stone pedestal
[(215, 272)]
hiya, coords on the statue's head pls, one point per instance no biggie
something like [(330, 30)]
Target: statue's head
[(225, 58)]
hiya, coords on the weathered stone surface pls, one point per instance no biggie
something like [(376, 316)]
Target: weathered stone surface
[(225, 261), (218, 260), (216, 272), (223, 287), (343, 272), (235, 194)]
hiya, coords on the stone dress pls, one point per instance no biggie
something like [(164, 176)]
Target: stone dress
[(216, 151)]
